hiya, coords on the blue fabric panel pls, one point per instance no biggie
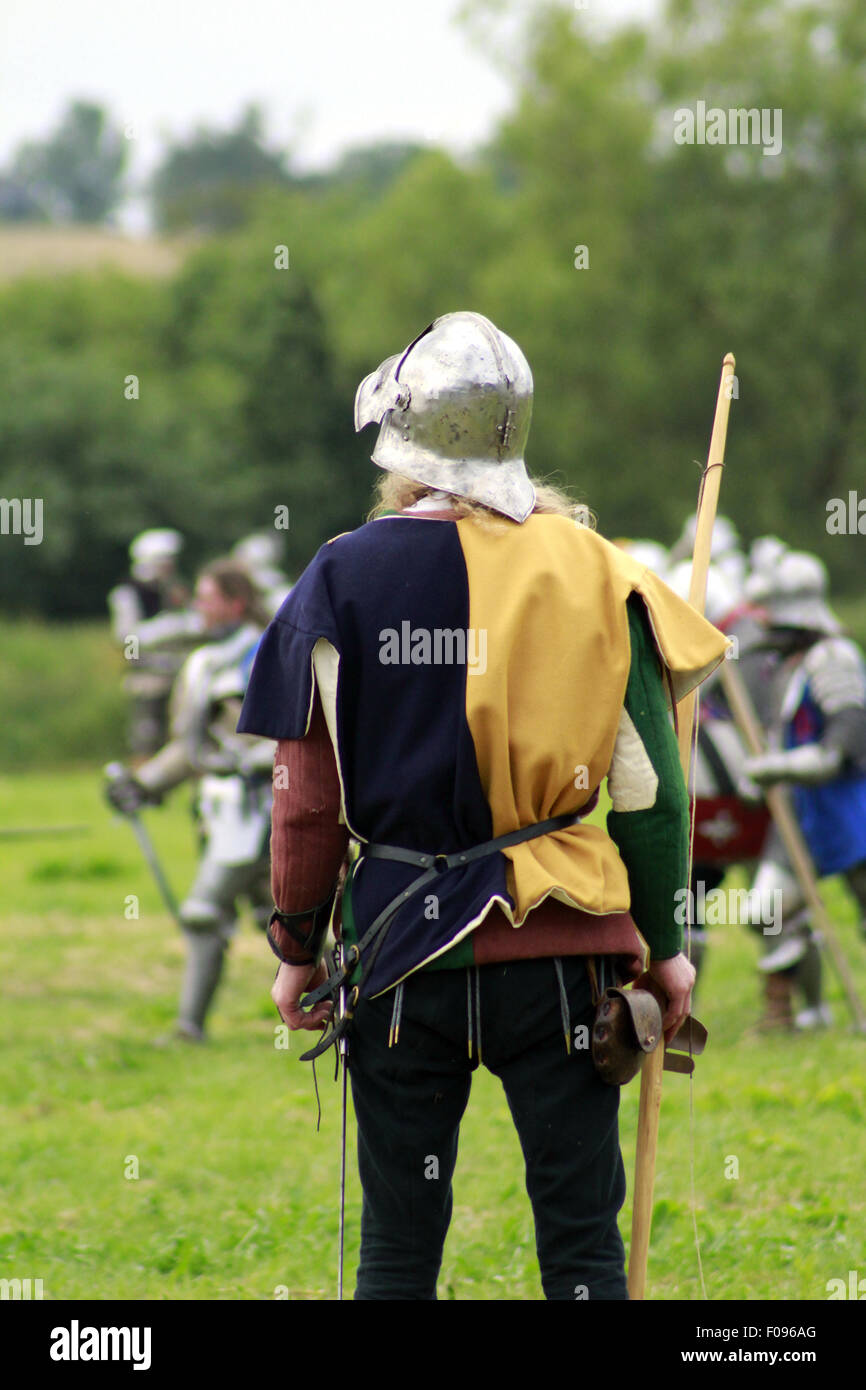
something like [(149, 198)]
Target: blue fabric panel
[(403, 737), (832, 817)]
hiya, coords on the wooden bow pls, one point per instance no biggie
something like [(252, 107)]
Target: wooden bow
[(651, 1075)]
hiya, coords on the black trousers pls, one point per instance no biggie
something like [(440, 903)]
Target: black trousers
[(409, 1100)]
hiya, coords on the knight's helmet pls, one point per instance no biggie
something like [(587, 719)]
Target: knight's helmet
[(648, 553), (454, 410), (726, 539), (259, 552), (794, 593), (721, 595), (726, 551), (154, 552), (765, 553)]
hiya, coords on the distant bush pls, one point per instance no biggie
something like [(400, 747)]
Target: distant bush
[(61, 696)]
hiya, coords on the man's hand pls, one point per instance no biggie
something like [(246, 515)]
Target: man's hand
[(749, 791), (676, 978), (125, 793), (292, 981)]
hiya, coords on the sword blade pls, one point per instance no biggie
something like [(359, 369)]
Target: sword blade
[(28, 832), (146, 846)]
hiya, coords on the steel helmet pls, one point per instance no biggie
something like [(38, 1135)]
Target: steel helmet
[(721, 597), (793, 593), (161, 544), (648, 553), (260, 550), (765, 552), (726, 540), (454, 410)]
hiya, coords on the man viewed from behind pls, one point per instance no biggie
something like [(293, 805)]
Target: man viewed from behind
[(450, 685)]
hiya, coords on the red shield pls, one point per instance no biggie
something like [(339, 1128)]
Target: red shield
[(728, 831)]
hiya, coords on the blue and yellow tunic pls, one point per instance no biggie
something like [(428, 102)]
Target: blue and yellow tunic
[(473, 678)]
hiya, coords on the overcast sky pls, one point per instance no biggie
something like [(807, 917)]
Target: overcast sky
[(327, 74)]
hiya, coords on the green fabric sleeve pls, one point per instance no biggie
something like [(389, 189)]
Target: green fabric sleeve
[(457, 957), (654, 843)]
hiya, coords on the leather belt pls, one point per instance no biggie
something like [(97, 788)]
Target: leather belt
[(433, 865)]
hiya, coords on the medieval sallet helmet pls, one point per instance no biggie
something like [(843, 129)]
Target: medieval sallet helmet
[(726, 539), (726, 552), (765, 553), (793, 593), (161, 544), (454, 410), (722, 595), (259, 551), (154, 552), (648, 553)]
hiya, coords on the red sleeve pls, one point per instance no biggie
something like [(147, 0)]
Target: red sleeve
[(308, 844)]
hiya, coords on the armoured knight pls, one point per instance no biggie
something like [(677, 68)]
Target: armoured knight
[(153, 623), (817, 745), (233, 777)]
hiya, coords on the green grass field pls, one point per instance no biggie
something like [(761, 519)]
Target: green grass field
[(236, 1194)]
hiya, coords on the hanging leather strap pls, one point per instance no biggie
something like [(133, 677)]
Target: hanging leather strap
[(433, 865)]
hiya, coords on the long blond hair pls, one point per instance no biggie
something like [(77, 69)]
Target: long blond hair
[(394, 493)]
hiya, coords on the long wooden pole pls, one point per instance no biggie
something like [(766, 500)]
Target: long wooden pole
[(651, 1074)]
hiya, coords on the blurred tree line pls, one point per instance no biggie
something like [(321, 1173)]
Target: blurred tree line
[(74, 176), (247, 361)]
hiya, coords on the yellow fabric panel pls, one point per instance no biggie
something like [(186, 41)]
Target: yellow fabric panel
[(543, 710), (690, 647)]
